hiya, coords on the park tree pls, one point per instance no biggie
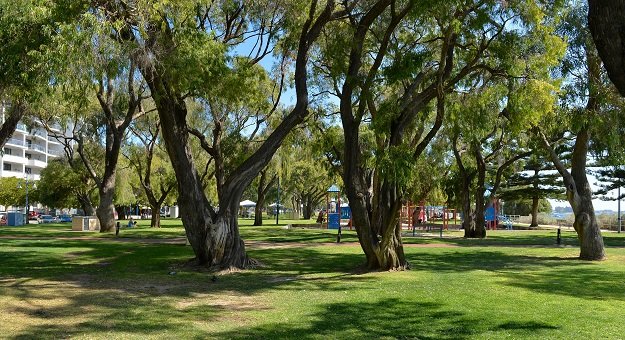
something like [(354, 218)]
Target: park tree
[(62, 185), (13, 191), (610, 178), (535, 183), (309, 175), (149, 161), (99, 84), (27, 29), (492, 140), (182, 51), (264, 182), (392, 64), (587, 103)]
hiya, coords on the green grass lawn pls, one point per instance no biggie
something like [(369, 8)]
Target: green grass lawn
[(514, 284)]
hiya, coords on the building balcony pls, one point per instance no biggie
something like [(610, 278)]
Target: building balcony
[(36, 163), (14, 159), (12, 173), (37, 147), (21, 127), (53, 140), (40, 137), (16, 142)]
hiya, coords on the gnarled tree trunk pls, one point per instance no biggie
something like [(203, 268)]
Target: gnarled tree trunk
[(579, 195), (213, 236), (578, 190)]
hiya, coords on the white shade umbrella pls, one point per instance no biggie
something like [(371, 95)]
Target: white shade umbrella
[(247, 204)]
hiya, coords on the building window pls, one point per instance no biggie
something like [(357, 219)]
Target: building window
[(28, 171), (7, 167), (29, 143), (7, 151), (28, 156)]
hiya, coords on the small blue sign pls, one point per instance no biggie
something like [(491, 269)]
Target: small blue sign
[(333, 221), (346, 213)]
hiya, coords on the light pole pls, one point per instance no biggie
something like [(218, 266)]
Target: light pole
[(26, 182)]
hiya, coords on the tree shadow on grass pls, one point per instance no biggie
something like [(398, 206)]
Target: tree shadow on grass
[(390, 318), (530, 325), (110, 287), (545, 274), (65, 260), (114, 314), (483, 259)]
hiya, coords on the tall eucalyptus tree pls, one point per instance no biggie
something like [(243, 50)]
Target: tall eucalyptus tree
[(184, 51), (391, 64)]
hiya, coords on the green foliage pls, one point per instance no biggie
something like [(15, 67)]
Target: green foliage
[(524, 207), (13, 191), (60, 184)]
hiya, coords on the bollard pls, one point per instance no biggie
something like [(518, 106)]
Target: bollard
[(338, 236), (559, 239)]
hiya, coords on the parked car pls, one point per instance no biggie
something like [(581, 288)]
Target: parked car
[(65, 218), (33, 215), (47, 219)]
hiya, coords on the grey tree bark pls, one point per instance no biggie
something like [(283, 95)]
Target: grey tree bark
[(214, 236)]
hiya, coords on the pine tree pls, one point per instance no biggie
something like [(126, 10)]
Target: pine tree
[(537, 181)]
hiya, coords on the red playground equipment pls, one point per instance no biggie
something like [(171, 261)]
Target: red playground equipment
[(422, 215)]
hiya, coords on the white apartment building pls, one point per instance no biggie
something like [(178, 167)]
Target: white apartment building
[(28, 152)]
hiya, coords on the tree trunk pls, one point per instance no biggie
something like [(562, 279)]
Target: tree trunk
[(106, 209), (121, 212), (308, 202), (155, 221), (579, 195), (86, 205), (258, 212), (605, 20), (535, 201), (468, 215), (297, 208), (263, 189), (377, 223), (15, 113), (215, 237)]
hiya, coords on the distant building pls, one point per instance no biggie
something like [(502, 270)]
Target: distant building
[(28, 151)]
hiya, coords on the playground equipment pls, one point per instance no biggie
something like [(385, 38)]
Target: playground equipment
[(427, 216), (491, 214)]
